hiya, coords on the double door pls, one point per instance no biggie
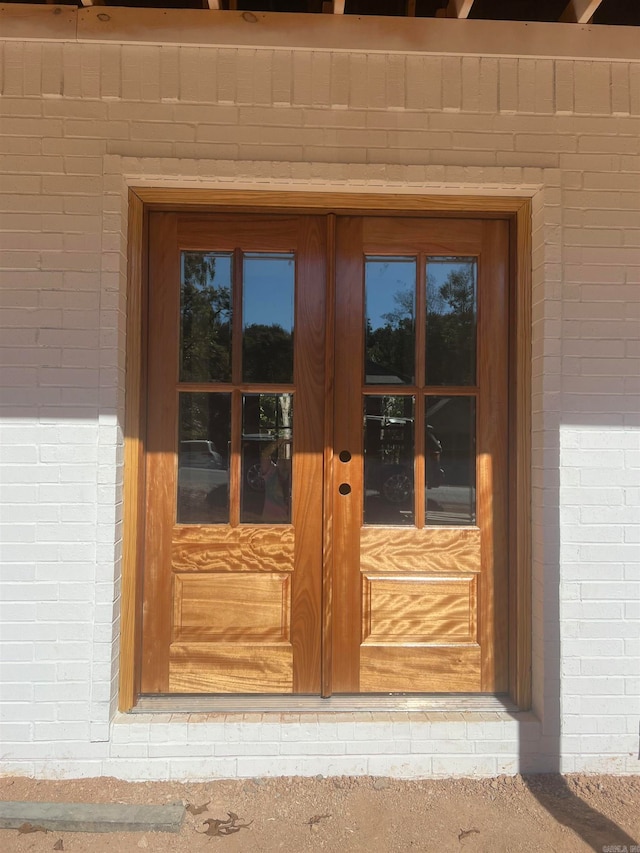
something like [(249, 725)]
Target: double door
[(326, 455)]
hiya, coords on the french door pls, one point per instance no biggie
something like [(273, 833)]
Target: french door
[(326, 455)]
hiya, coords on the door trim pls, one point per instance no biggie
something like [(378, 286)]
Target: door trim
[(517, 210)]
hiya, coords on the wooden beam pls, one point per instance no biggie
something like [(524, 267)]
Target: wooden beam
[(579, 11), (458, 9), (338, 7), (213, 4)]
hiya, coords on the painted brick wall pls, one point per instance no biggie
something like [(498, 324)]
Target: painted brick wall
[(78, 122)]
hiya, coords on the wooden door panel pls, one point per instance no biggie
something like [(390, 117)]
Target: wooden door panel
[(244, 549), (419, 609), (242, 608), (451, 550), (273, 232), (434, 669), (230, 668), (406, 235)]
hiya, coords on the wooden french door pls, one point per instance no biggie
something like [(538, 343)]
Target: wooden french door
[(420, 464), (326, 455)]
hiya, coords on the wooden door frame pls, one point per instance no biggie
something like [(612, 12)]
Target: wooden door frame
[(517, 210)]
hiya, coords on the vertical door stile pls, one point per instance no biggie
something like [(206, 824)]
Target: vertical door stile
[(328, 462), (347, 508), (309, 342)]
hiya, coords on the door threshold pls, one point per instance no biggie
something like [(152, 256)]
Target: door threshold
[(347, 703)]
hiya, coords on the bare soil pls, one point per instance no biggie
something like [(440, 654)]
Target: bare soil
[(566, 814)]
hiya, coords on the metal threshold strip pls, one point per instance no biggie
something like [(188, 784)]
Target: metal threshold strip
[(352, 703)]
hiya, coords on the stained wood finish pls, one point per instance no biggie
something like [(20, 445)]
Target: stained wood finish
[(453, 550), (230, 668), (231, 608), (244, 608), (419, 609), (430, 602), (234, 607), (445, 669), (233, 549), (133, 499), (518, 212)]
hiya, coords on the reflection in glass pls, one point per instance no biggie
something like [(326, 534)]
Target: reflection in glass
[(267, 317), (450, 447), (267, 436), (451, 321), (204, 434), (205, 317), (388, 460), (390, 286)]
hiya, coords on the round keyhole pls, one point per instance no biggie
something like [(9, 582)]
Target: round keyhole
[(345, 456), (344, 488)]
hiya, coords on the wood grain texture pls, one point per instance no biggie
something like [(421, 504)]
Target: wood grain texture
[(309, 342), (348, 435), (241, 549), (404, 235), (420, 669), (133, 495), (329, 462), (493, 443), (161, 437), (419, 610), (227, 232), (230, 668), (231, 608), (520, 456), (347, 203), (195, 560), (419, 551)]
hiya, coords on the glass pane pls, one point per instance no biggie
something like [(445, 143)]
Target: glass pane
[(390, 287), (451, 321), (267, 342), (267, 441), (388, 460), (450, 447), (205, 317), (204, 434)]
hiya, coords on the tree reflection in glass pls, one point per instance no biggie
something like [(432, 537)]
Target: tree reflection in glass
[(390, 286), (451, 321), (267, 317), (205, 317)]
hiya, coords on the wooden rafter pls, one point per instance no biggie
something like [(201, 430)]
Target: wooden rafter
[(213, 4), (579, 11), (458, 9)]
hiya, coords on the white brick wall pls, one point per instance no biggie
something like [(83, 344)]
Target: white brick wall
[(78, 123)]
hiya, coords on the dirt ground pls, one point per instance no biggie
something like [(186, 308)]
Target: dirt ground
[(377, 815)]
